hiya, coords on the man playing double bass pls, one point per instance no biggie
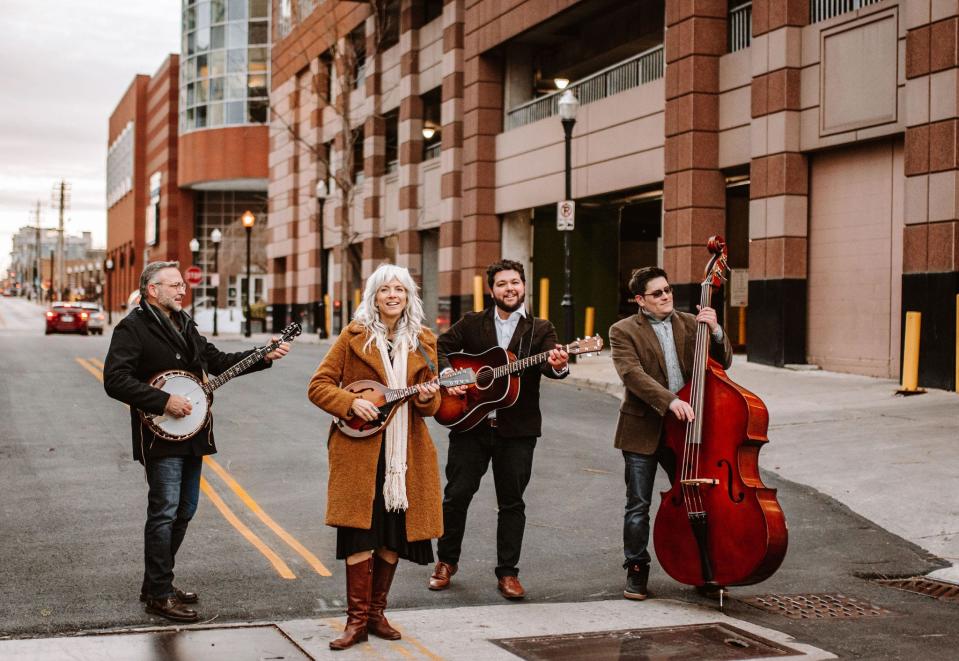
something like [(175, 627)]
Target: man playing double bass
[(653, 354)]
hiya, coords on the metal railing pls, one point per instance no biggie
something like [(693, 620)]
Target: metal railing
[(821, 10), (740, 27), (636, 71)]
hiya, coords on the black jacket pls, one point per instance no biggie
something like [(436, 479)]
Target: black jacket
[(143, 345), (476, 332)]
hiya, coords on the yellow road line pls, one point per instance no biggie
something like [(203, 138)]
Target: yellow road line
[(98, 363), (420, 647), (265, 518), (281, 567), (91, 369)]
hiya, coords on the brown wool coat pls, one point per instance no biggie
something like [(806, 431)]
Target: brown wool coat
[(352, 478)]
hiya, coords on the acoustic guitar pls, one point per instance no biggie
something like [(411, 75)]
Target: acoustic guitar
[(497, 382), (388, 399)]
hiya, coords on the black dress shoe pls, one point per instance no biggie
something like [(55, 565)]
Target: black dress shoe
[(171, 609), (184, 597), (636, 579)]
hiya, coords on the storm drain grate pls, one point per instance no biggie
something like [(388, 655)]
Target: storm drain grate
[(924, 586), (696, 641), (815, 606)]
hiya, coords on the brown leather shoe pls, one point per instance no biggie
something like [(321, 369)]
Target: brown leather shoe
[(171, 609), (359, 591), (511, 588), (377, 624), (442, 573), (182, 597)]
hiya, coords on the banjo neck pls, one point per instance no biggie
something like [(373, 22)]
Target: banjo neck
[(240, 367)]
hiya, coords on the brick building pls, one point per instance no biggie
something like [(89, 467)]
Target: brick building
[(818, 137)]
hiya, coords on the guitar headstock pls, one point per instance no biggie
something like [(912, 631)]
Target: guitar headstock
[(717, 268), (291, 331), (586, 345), (461, 377)]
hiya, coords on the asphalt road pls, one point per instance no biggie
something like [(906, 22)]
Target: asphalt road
[(72, 507)]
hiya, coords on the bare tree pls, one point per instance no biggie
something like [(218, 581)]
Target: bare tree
[(333, 74)]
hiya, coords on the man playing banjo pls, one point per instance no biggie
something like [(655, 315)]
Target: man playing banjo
[(158, 336)]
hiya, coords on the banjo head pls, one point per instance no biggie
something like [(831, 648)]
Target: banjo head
[(185, 385)]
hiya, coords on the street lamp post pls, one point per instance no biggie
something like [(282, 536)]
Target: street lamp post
[(568, 105), (194, 251), (319, 308), (248, 220), (108, 267), (216, 236)]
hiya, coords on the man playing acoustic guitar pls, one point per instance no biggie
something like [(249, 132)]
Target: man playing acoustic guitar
[(155, 337), (507, 436)]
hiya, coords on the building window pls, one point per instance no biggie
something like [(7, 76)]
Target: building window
[(432, 126), (432, 9), (225, 58), (357, 43), (392, 140), (388, 19), (356, 167)]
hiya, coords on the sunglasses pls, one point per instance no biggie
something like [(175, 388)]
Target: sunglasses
[(659, 292)]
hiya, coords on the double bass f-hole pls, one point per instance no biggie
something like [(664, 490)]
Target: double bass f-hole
[(729, 481)]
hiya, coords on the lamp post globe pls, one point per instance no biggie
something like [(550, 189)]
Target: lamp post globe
[(248, 220), (108, 267), (194, 251), (215, 237)]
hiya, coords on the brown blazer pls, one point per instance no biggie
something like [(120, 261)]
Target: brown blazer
[(352, 478), (639, 361)]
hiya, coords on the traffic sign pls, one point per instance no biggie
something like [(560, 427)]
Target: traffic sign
[(194, 275), (565, 215)]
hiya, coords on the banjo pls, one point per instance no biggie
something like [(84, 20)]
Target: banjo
[(200, 394)]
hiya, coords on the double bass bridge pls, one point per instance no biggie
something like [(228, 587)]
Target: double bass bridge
[(700, 481)]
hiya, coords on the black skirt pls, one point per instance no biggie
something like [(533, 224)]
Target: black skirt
[(388, 529)]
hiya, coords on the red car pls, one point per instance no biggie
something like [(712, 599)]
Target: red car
[(66, 318)]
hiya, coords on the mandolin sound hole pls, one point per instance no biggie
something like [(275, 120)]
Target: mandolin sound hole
[(484, 377)]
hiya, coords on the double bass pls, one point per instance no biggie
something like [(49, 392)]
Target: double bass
[(718, 525)]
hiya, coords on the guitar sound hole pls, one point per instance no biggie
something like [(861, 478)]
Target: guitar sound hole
[(484, 377)]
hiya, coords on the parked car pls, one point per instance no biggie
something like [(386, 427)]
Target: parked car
[(67, 318), (98, 318)]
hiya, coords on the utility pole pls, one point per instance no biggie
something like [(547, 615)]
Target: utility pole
[(61, 194), (38, 258)]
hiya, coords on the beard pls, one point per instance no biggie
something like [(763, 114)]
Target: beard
[(169, 303), (501, 304)]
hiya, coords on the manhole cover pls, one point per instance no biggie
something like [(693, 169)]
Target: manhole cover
[(924, 586), (815, 606), (209, 644), (696, 641)]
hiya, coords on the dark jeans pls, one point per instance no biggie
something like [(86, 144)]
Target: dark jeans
[(469, 457), (173, 497), (640, 476)]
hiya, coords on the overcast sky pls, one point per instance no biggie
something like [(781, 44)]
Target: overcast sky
[(64, 64)]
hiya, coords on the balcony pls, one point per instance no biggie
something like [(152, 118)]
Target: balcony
[(740, 27), (633, 72), (821, 10)]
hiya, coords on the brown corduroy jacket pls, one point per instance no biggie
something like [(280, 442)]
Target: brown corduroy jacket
[(639, 361), (352, 477)]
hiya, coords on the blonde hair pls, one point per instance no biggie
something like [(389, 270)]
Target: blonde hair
[(410, 322)]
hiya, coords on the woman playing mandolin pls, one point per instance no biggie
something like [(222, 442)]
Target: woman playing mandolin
[(384, 494)]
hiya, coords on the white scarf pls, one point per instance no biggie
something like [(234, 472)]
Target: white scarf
[(394, 487)]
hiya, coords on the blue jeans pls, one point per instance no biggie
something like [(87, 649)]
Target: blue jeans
[(172, 500), (640, 475)]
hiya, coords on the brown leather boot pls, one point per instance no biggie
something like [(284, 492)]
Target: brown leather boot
[(382, 579), (359, 585)]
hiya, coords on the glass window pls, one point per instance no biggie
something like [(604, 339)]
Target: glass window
[(201, 117), (189, 70), (236, 35), (258, 111), (203, 15), (259, 32), (216, 90), (235, 112), (259, 60), (236, 86), (190, 123), (237, 10), (236, 60), (191, 43), (202, 87), (190, 94), (191, 18), (217, 11), (214, 114), (202, 69), (259, 8), (203, 39), (218, 37), (217, 63), (256, 85), (432, 9)]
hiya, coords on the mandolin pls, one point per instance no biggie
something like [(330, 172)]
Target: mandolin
[(388, 399)]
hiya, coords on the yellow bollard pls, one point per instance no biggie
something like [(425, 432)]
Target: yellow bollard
[(910, 355), (544, 298), (742, 327), (357, 298), (327, 313), (477, 293), (590, 319)]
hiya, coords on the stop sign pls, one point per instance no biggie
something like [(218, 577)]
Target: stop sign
[(194, 275)]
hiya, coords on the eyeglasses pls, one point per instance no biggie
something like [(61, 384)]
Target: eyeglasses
[(174, 285), (659, 292)]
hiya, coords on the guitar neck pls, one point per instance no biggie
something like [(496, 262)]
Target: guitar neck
[(237, 369), (520, 365), (399, 394)]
